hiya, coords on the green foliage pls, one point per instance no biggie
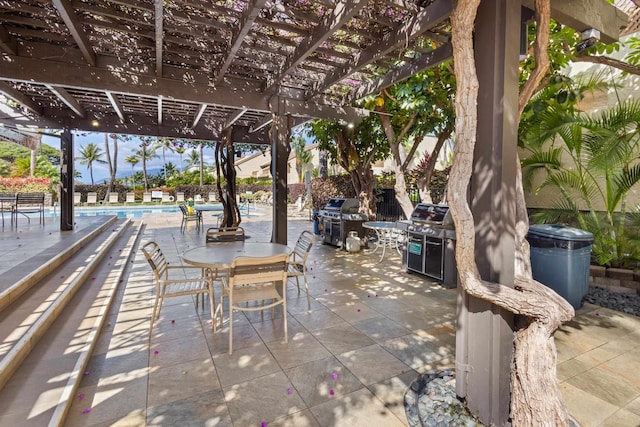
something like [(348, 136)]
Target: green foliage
[(350, 147), (43, 169), (10, 152), (600, 166)]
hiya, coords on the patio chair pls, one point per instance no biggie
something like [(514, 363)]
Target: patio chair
[(255, 280), (167, 198), (28, 203), (92, 198), (113, 197), (224, 234), (174, 285), (213, 196), (146, 197), (77, 198), (298, 261), (187, 217), (131, 198), (180, 197)]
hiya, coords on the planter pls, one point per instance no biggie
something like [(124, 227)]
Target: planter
[(619, 280)]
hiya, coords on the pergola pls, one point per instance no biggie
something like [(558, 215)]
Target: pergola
[(249, 70)]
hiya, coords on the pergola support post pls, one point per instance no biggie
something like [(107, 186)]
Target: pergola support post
[(66, 181), (280, 148), (484, 342)]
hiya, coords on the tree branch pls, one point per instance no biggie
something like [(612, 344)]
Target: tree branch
[(605, 60), (543, 17)]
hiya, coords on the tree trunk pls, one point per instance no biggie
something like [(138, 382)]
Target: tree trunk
[(536, 398), (399, 163), (226, 173), (363, 182), (424, 182)]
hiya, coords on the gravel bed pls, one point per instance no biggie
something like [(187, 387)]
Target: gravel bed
[(625, 303)]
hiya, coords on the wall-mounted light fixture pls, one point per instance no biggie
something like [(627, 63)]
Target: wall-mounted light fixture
[(589, 38)]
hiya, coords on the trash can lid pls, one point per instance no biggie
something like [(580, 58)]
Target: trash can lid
[(560, 232)]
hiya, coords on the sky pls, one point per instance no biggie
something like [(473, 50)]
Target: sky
[(125, 149)]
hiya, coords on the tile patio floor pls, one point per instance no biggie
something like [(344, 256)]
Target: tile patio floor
[(371, 329)]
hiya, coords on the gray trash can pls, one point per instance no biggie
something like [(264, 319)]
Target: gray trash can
[(560, 258)]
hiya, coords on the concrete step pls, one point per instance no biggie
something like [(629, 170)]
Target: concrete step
[(49, 332), (29, 252)]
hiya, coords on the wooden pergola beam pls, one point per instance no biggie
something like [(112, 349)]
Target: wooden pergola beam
[(248, 17), (159, 104), (425, 61), (585, 14), (234, 117), (75, 28), (7, 43), (343, 11), (198, 115), (26, 140), (20, 98), (69, 100), (159, 34), (425, 20), (113, 99)]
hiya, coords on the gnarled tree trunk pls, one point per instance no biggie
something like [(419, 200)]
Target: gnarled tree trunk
[(535, 393), (226, 172)]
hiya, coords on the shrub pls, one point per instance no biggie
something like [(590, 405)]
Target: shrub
[(322, 189), (25, 185)]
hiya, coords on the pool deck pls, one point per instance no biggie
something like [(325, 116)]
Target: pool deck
[(371, 329)]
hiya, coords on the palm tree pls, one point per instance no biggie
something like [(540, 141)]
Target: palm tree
[(89, 154), (592, 162), (165, 144), (146, 153), (132, 160), (303, 157), (193, 159), (180, 151)]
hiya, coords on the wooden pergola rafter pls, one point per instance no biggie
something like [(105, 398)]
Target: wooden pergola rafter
[(236, 56)]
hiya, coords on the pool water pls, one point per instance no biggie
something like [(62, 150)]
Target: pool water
[(119, 211)]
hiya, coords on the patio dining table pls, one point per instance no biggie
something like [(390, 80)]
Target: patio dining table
[(219, 256), (387, 233)]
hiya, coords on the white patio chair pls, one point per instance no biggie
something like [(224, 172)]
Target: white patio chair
[(179, 197), (131, 198), (146, 198), (77, 198), (298, 261), (175, 285), (255, 280)]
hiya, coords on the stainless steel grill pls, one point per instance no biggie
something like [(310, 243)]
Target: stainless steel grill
[(431, 243), (338, 218)]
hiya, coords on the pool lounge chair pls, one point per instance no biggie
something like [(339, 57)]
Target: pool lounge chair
[(167, 198), (92, 198), (77, 198), (146, 198), (212, 196), (113, 198), (131, 198), (179, 197)]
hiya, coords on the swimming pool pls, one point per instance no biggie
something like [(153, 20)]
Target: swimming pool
[(119, 211)]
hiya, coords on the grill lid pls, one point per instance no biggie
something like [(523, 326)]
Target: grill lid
[(427, 213), (342, 205)]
